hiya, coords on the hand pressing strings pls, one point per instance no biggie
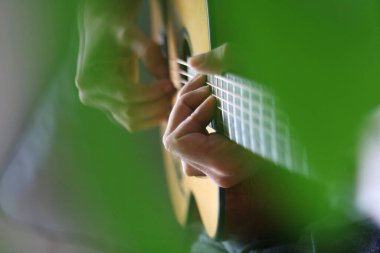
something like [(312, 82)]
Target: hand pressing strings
[(213, 155)]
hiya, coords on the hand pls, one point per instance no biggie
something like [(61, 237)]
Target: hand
[(107, 70), (222, 160)]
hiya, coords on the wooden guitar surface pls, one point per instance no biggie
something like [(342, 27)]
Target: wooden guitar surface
[(186, 191), (248, 209)]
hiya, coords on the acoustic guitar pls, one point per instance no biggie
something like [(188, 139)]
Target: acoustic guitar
[(247, 113)]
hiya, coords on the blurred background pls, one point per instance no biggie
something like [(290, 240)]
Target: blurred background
[(71, 180), (74, 181)]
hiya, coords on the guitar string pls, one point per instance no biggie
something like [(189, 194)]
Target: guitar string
[(267, 118), (277, 128), (249, 89), (280, 139), (181, 72), (288, 151), (253, 92), (256, 116), (268, 108), (233, 83), (225, 91), (276, 119), (267, 114)]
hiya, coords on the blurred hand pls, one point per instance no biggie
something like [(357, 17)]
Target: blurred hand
[(110, 46), (222, 160)]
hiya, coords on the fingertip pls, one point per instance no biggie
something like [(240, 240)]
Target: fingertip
[(199, 79), (197, 60), (204, 90), (206, 111), (209, 106), (211, 100)]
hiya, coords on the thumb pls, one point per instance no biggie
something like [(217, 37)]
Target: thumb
[(148, 52), (216, 61)]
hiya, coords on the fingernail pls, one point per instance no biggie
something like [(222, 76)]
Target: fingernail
[(197, 60), (205, 89)]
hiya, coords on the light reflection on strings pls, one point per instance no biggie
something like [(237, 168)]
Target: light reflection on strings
[(274, 141)]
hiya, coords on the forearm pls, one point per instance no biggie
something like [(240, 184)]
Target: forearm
[(288, 201)]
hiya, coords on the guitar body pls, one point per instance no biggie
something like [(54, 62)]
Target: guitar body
[(186, 30), (184, 26), (250, 209)]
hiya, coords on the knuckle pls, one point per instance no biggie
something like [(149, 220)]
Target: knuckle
[(182, 100), (129, 111), (169, 142), (84, 98), (79, 81), (164, 139), (82, 81), (132, 127), (125, 122), (181, 93)]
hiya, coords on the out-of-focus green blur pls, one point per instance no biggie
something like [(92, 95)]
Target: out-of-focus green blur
[(322, 60), (69, 174), (99, 185)]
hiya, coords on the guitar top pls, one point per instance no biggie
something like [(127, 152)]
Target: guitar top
[(283, 105)]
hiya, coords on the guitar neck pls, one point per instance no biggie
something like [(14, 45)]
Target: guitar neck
[(248, 114)]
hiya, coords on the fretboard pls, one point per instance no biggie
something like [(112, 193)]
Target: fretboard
[(248, 113)]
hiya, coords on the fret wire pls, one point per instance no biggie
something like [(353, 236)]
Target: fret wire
[(282, 149), (253, 115), (268, 97), (266, 130), (230, 114), (227, 91), (222, 78), (288, 144), (266, 110), (225, 106), (234, 95), (274, 132), (214, 91), (244, 130), (258, 141), (250, 126), (247, 88), (261, 132), (236, 125)]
